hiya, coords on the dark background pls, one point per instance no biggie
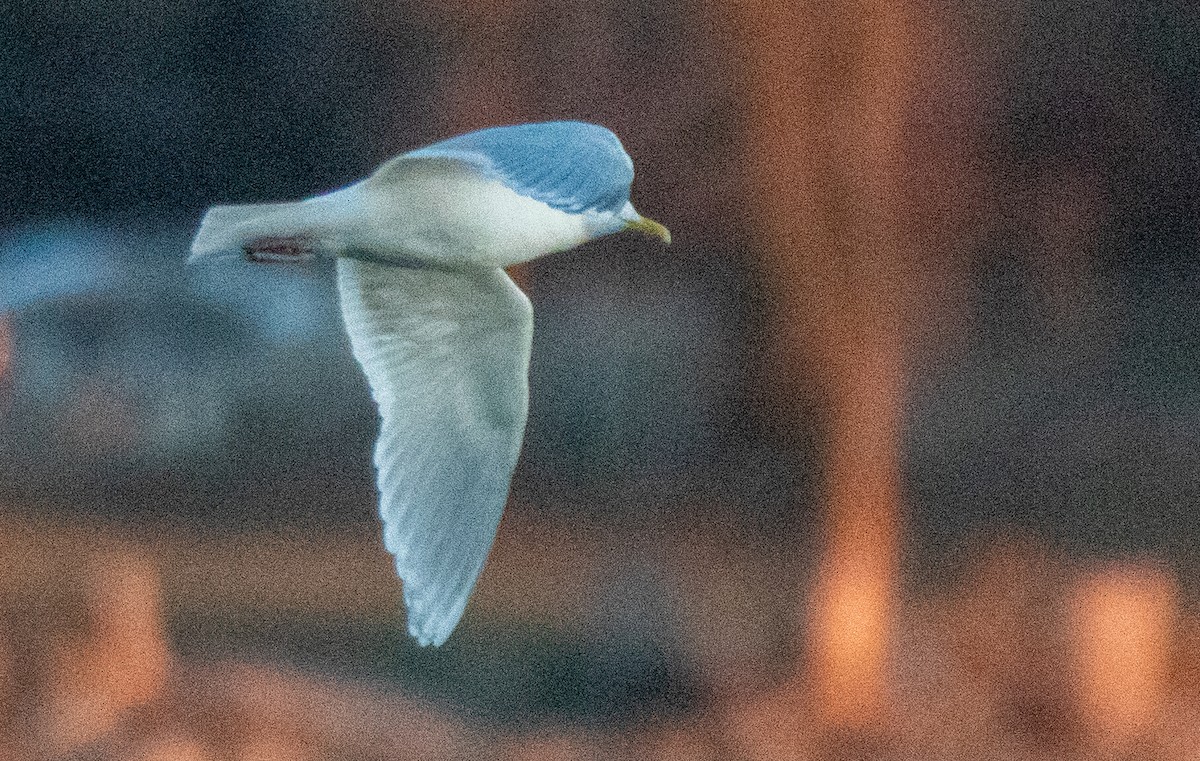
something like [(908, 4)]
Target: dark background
[(1050, 385)]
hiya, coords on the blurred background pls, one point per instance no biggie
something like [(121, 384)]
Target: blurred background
[(893, 454)]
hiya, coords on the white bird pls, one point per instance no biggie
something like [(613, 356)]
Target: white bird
[(441, 332)]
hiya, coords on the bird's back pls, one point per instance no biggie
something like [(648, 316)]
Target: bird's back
[(571, 166)]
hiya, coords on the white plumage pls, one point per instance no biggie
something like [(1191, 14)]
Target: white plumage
[(432, 211), (441, 332)]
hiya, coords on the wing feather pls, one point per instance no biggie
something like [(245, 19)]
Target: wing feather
[(570, 166), (446, 354)]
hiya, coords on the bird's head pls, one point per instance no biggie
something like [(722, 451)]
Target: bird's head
[(573, 167)]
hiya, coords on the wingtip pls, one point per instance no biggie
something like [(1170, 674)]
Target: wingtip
[(424, 636), (430, 623)]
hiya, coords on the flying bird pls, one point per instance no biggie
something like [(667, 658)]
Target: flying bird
[(442, 333)]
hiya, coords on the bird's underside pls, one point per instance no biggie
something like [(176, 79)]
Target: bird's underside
[(446, 355), (280, 249)]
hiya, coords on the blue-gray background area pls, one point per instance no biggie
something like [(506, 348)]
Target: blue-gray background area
[(227, 396)]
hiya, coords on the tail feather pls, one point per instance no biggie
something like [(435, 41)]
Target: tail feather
[(237, 231)]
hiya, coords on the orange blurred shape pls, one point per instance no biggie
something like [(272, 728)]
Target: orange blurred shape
[(1122, 623), (121, 658), (848, 642), (851, 608), (826, 170)]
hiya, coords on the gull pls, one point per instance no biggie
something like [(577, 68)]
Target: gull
[(441, 332)]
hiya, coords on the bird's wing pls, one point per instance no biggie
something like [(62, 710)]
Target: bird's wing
[(570, 166), (446, 355)]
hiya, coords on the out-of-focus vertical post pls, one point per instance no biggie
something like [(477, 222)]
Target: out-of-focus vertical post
[(826, 86)]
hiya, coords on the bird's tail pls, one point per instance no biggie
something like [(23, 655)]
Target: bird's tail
[(261, 232)]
